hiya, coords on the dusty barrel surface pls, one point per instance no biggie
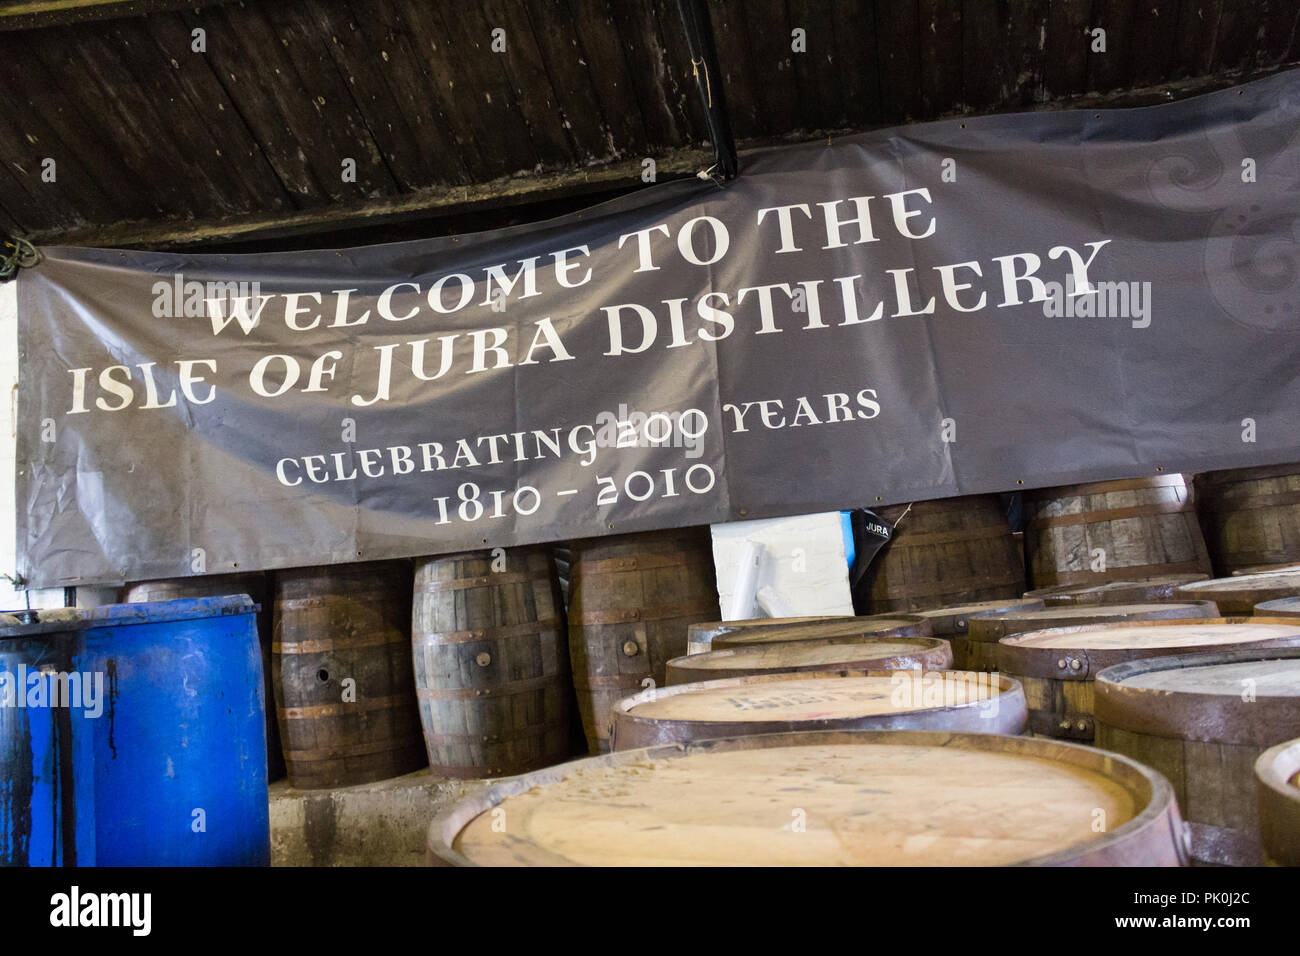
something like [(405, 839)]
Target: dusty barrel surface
[(491, 662), (832, 653), (1282, 607), (1277, 772), (877, 626), (219, 585), (699, 637), (1114, 530), (1240, 594), (978, 650), (957, 701), (1203, 720), (631, 599), (949, 551), (954, 621), (1058, 667), (883, 798), (1159, 588), (345, 695), (1251, 516)]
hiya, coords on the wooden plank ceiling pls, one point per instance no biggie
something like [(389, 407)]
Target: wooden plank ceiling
[(155, 143)]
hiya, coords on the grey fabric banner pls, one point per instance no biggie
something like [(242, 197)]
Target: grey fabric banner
[(975, 305)]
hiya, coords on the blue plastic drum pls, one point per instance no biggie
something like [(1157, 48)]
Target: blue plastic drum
[(133, 735)]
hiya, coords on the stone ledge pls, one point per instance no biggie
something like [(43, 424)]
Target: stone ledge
[(374, 824)]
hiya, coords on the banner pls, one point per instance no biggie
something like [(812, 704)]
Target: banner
[(976, 305)]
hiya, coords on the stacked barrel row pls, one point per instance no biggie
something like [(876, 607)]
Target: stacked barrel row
[(758, 708)]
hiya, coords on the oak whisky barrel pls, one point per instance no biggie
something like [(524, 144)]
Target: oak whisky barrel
[(954, 621), (699, 637), (1159, 588), (1239, 594), (956, 701), (220, 585), (1251, 516), (978, 650), (832, 653), (1277, 772), (341, 660), (949, 551), (1112, 531), (1058, 667), (631, 599), (882, 798), (491, 662), (1203, 720), (875, 626)]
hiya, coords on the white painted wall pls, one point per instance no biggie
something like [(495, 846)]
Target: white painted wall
[(8, 436)]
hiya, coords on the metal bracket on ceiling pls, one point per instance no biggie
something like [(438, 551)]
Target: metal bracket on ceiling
[(708, 77), (16, 253)]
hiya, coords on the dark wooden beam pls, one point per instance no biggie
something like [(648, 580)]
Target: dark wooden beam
[(422, 204), (521, 190), (33, 14)]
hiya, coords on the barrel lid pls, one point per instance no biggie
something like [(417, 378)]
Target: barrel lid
[(1286, 607), (1116, 592), (828, 652), (956, 618), (1266, 569), (713, 628), (1081, 652), (994, 625), (815, 695), (1243, 589), (890, 797), (883, 625), (58, 620), (1245, 696)]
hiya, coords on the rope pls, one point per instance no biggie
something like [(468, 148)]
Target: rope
[(15, 254), (708, 87)]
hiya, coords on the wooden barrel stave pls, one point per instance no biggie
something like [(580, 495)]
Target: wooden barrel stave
[(715, 807), (1188, 717), (1057, 666), (218, 585), (346, 623), (1278, 774), (491, 662), (632, 597), (963, 702), (944, 552), (1144, 526), (1251, 516), (833, 653)]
